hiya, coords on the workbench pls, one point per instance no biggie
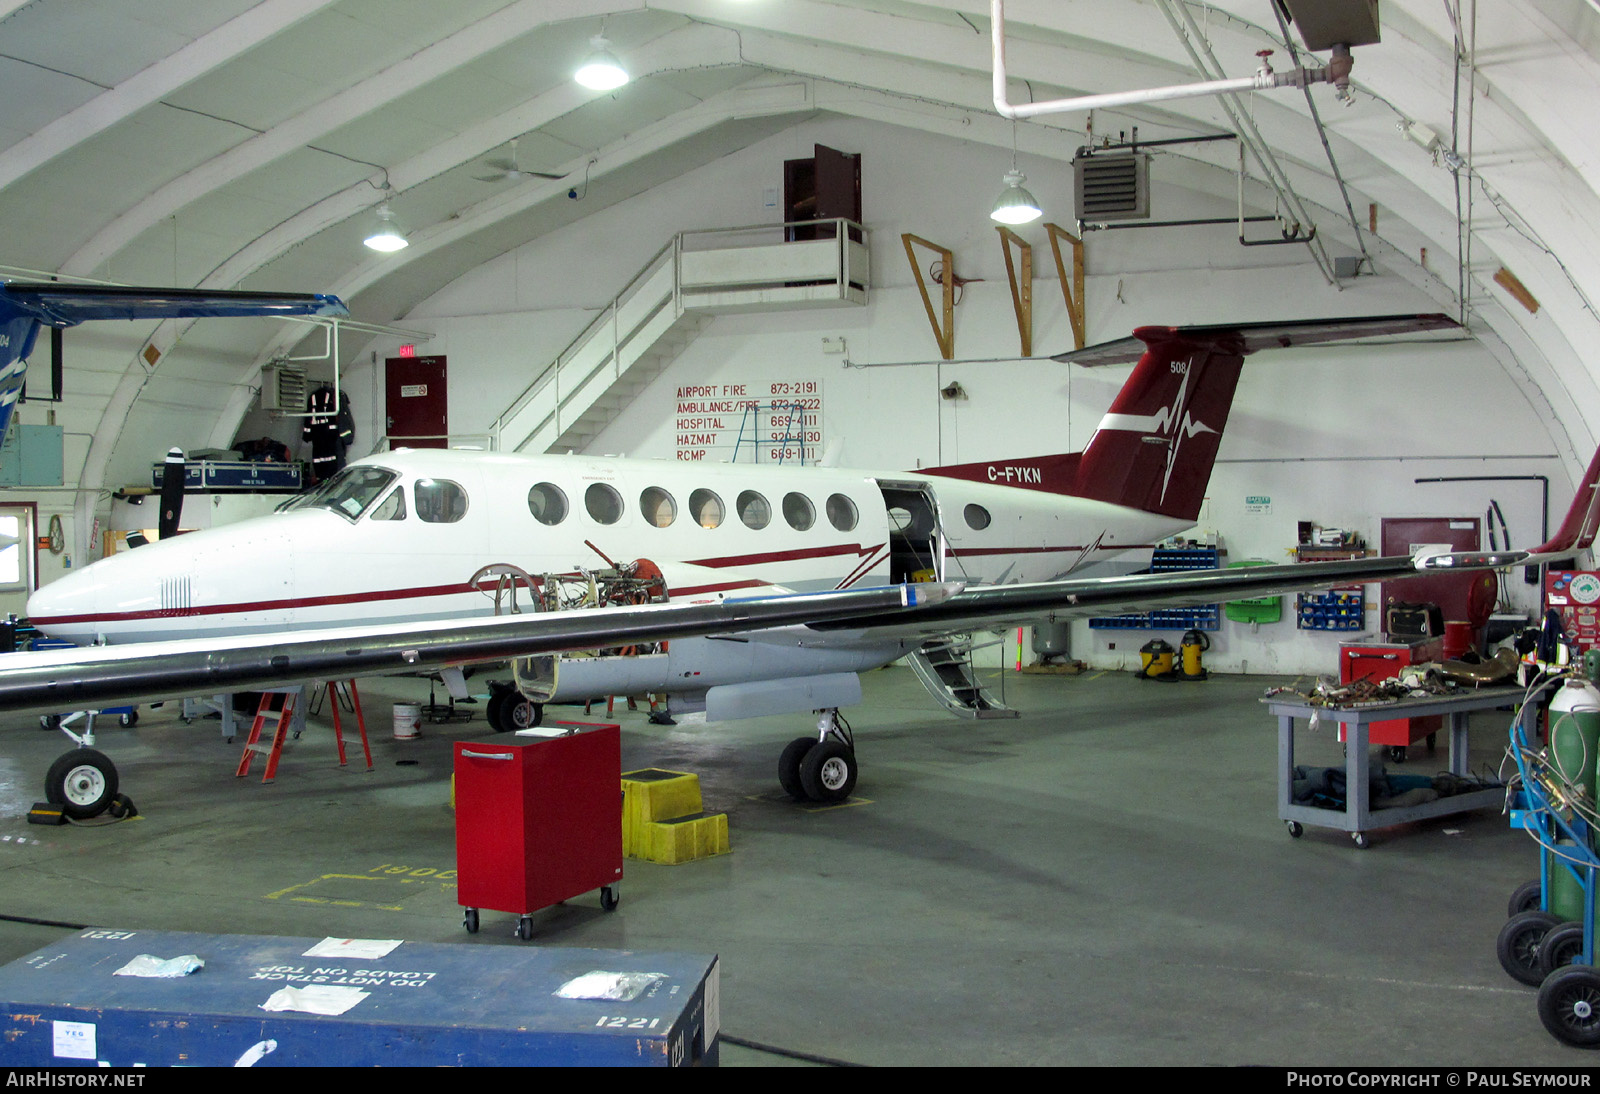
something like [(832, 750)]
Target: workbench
[(1358, 818)]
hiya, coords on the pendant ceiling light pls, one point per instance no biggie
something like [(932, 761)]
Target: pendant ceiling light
[(1015, 205), (386, 235), (602, 71)]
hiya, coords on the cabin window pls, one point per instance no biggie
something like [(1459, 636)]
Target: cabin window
[(440, 501), (706, 508), (658, 506), (754, 509), (603, 503), (977, 517), (799, 512), (841, 512), (392, 507), (547, 503)]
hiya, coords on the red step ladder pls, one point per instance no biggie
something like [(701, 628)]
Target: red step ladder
[(273, 751)]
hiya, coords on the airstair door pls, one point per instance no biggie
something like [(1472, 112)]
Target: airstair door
[(916, 536)]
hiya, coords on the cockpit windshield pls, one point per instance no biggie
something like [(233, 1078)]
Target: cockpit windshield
[(349, 493)]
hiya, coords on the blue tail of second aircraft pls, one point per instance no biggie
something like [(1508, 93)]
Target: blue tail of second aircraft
[(27, 306)]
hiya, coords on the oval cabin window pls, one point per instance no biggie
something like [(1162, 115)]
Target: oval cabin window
[(799, 512), (977, 517), (603, 503), (841, 512), (754, 510), (658, 506), (547, 503), (706, 508)]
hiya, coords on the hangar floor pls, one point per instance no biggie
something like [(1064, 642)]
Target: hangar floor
[(1102, 881)]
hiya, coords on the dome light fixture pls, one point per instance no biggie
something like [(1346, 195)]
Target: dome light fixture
[(602, 71), (1015, 205), (387, 236)]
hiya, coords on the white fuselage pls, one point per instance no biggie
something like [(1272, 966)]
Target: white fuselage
[(402, 544)]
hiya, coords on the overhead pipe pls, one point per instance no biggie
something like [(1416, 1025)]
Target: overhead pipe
[(1337, 73)]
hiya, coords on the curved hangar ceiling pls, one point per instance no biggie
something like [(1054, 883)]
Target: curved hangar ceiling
[(223, 143)]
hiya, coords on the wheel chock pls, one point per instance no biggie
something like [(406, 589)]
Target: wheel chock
[(46, 813)]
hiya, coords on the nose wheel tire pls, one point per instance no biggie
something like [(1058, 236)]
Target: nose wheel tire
[(83, 782)]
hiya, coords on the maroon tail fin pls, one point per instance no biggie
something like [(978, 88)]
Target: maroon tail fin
[(1155, 447), (1578, 529)]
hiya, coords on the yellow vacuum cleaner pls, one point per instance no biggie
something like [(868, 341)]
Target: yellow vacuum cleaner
[(1155, 658), (1193, 645)]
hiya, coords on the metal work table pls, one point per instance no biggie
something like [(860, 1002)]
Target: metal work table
[(1358, 817)]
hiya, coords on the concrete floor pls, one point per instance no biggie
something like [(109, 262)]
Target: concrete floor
[(1102, 881)]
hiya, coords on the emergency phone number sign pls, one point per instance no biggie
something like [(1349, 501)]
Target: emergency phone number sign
[(772, 423)]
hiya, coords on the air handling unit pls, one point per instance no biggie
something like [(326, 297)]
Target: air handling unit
[(1112, 187)]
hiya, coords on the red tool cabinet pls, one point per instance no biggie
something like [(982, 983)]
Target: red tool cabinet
[(1384, 661), (538, 821)]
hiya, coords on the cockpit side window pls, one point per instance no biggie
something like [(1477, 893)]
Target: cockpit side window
[(392, 507), (440, 501)]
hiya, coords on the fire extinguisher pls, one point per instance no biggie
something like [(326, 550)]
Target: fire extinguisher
[(1193, 645)]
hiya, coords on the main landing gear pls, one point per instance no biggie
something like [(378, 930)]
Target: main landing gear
[(509, 710), (83, 782), (821, 768)]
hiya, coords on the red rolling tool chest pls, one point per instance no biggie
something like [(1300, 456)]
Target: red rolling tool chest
[(1384, 661), (538, 821)]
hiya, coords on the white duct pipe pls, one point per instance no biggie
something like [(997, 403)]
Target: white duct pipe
[(1264, 79)]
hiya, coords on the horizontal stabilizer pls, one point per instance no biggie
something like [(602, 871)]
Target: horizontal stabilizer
[(1246, 338)]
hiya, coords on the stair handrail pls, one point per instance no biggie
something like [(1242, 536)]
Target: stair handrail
[(845, 231)]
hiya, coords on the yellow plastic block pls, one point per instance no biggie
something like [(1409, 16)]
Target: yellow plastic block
[(684, 839)]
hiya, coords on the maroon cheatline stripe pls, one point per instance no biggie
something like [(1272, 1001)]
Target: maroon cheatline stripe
[(782, 556)]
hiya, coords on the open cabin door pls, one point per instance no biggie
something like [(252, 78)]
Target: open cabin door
[(916, 536)]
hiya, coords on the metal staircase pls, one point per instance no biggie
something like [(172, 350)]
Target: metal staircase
[(944, 665), (695, 276)]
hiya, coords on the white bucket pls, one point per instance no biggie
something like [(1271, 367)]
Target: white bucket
[(407, 721)]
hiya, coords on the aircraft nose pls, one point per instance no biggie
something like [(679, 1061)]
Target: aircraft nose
[(68, 606)]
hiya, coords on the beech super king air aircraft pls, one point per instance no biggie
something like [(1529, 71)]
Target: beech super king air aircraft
[(739, 590)]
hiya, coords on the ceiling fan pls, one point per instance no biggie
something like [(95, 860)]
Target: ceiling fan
[(507, 170)]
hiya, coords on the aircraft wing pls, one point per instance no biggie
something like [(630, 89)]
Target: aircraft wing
[(58, 305), (995, 606), (90, 678)]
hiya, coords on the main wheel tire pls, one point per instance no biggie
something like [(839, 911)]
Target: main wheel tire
[(1569, 1005), (828, 772), (83, 782), (1525, 897), (521, 713), (1559, 948), (1517, 947), (794, 754), (494, 713)]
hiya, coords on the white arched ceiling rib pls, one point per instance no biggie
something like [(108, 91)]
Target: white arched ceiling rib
[(439, 59), (203, 55)]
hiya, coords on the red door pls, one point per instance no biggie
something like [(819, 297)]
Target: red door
[(1450, 591), (415, 402)]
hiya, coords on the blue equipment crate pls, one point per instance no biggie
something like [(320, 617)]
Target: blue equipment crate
[(428, 1005)]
